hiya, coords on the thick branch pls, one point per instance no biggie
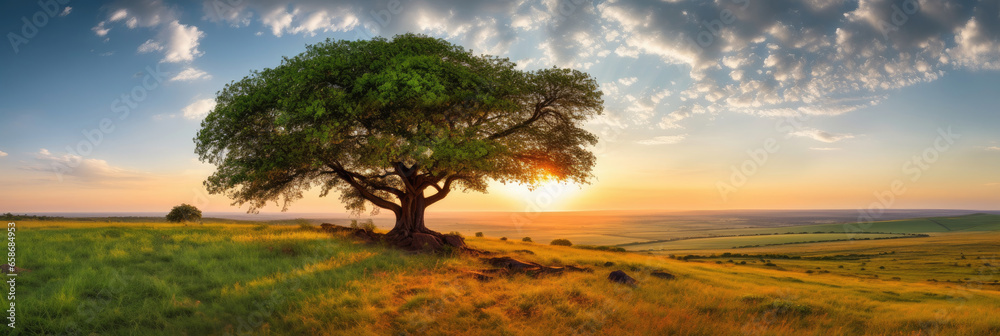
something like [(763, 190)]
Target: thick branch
[(442, 191), (367, 182), (541, 109), (405, 173), (378, 201)]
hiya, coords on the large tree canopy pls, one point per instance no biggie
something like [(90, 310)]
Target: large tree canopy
[(397, 124)]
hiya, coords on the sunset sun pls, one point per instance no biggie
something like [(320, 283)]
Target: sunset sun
[(548, 195)]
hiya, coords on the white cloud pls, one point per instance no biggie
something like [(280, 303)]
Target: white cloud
[(181, 42), (2, 154), (66, 11), (118, 15), (100, 29), (177, 41), (663, 140), (484, 26), (198, 109), (149, 46), (628, 81), (825, 148), (822, 136), (775, 55), (800, 54), (993, 148), (79, 169), (190, 74)]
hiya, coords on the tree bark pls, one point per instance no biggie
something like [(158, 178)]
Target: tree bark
[(411, 219)]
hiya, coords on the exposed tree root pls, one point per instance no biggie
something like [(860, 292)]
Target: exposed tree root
[(417, 242), (436, 242)]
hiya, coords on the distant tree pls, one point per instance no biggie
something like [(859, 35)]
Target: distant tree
[(561, 242), (526, 239), (479, 234), (184, 213), (397, 124)]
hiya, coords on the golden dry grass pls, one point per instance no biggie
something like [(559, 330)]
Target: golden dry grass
[(167, 279)]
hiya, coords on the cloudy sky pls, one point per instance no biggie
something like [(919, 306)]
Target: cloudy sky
[(732, 104)]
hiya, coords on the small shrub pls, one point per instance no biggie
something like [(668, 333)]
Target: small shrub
[(503, 238), (368, 225), (560, 242), (526, 239), (744, 262), (770, 264), (479, 234)]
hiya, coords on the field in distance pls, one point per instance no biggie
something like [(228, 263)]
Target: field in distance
[(762, 237)]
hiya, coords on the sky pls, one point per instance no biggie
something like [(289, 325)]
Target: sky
[(732, 104)]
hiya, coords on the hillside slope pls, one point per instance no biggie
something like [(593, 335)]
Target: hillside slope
[(241, 279)]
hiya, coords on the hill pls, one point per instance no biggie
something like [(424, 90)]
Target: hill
[(155, 278)]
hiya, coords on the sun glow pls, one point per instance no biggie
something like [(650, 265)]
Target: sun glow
[(550, 195)]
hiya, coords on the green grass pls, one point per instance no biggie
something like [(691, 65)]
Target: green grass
[(161, 279)]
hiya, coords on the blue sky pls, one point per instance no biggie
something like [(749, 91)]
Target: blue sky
[(691, 87)]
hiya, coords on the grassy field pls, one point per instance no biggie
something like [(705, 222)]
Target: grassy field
[(736, 242), (156, 278), (704, 240), (946, 258)]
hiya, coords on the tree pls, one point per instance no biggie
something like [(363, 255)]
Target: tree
[(396, 124), (184, 213)]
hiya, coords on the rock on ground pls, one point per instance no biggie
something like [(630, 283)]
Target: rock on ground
[(454, 240), (622, 278), (425, 241)]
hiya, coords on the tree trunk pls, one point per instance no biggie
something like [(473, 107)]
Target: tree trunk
[(410, 220)]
